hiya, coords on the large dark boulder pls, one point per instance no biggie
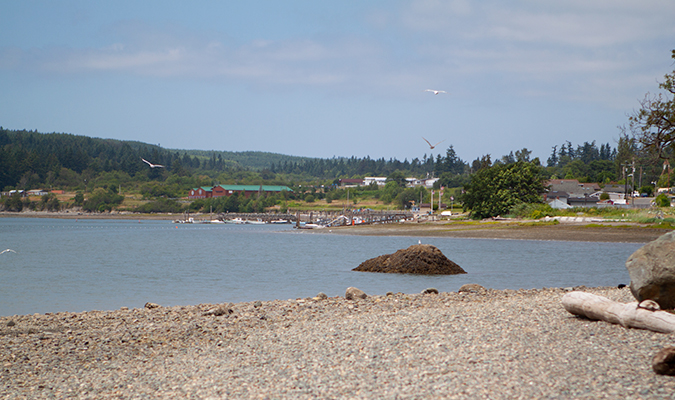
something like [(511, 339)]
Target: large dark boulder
[(423, 259), (652, 271)]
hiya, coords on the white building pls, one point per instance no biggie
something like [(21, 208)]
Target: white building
[(429, 183), (379, 180)]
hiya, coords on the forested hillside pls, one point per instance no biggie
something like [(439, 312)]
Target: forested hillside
[(100, 170), (29, 159)]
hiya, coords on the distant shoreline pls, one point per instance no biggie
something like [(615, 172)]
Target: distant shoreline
[(577, 232), (85, 215), (562, 232)]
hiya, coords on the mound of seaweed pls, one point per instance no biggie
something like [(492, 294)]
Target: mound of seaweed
[(422, 259)]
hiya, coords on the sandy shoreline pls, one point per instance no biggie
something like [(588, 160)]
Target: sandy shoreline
[(499, 345)]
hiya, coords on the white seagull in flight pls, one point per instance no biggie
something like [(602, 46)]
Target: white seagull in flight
[(433, 145), (7, 251), (151, 164), (435, 91)]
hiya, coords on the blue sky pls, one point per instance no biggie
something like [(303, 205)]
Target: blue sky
[(325, 79)]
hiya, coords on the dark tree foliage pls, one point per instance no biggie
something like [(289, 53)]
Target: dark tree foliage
[(450, 163), (553, 159), (12, 203), (654, 123), (28, 153), (353, 166), (496, 190), (161, 206), (586, 153), (102, 200), (586, 162)]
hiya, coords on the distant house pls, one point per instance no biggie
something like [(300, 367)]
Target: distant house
[(617, 194), (559, 204), (429, 183), (37, 192), (614, 189), (572, 187), (351, 182), (21, 193), (553, 195), (584, 201), (572, 192), (379, 180), (413, 182), (229, 190)]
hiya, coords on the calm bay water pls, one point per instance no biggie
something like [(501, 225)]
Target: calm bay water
[(80, 265)]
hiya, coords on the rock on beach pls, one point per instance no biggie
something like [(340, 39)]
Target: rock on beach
[(664, 361), (652, 271), (353, 293), (423, 259)]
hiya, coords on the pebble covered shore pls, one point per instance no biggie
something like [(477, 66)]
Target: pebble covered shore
[(497, 345)]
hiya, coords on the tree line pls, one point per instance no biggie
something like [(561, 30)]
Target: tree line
[(29, 159)]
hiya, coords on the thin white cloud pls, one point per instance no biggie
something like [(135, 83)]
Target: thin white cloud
[(574, 23), (300, 61), (573, 49)]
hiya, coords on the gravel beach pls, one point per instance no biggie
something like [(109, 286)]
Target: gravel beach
[(497, 345)]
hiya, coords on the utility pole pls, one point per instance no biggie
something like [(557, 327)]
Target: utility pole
[(624, 169), (440, 196), (431, 203)]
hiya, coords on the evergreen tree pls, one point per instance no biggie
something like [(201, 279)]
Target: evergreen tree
[(553, 159)]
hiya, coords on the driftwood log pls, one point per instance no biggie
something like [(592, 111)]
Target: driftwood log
[(644, 315)]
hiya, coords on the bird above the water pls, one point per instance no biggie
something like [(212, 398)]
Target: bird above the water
[(431, 146), (151, 164), (7, 251), (435, 91)]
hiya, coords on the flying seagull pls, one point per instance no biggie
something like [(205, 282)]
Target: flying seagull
[(435, 91), (151, 164), (434, 145), (7, 251)]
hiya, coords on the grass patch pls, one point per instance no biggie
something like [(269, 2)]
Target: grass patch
[(609, 226), (539, 223), (661, 225), (474, 223)]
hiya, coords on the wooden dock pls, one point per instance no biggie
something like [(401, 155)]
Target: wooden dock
[(324, 218)]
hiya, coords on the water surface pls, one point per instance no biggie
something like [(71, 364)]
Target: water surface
[(80, 265)]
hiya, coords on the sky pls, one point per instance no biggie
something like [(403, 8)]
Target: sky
[(323, 79)]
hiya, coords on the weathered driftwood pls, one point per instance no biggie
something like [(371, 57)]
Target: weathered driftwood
[(645, 315)]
